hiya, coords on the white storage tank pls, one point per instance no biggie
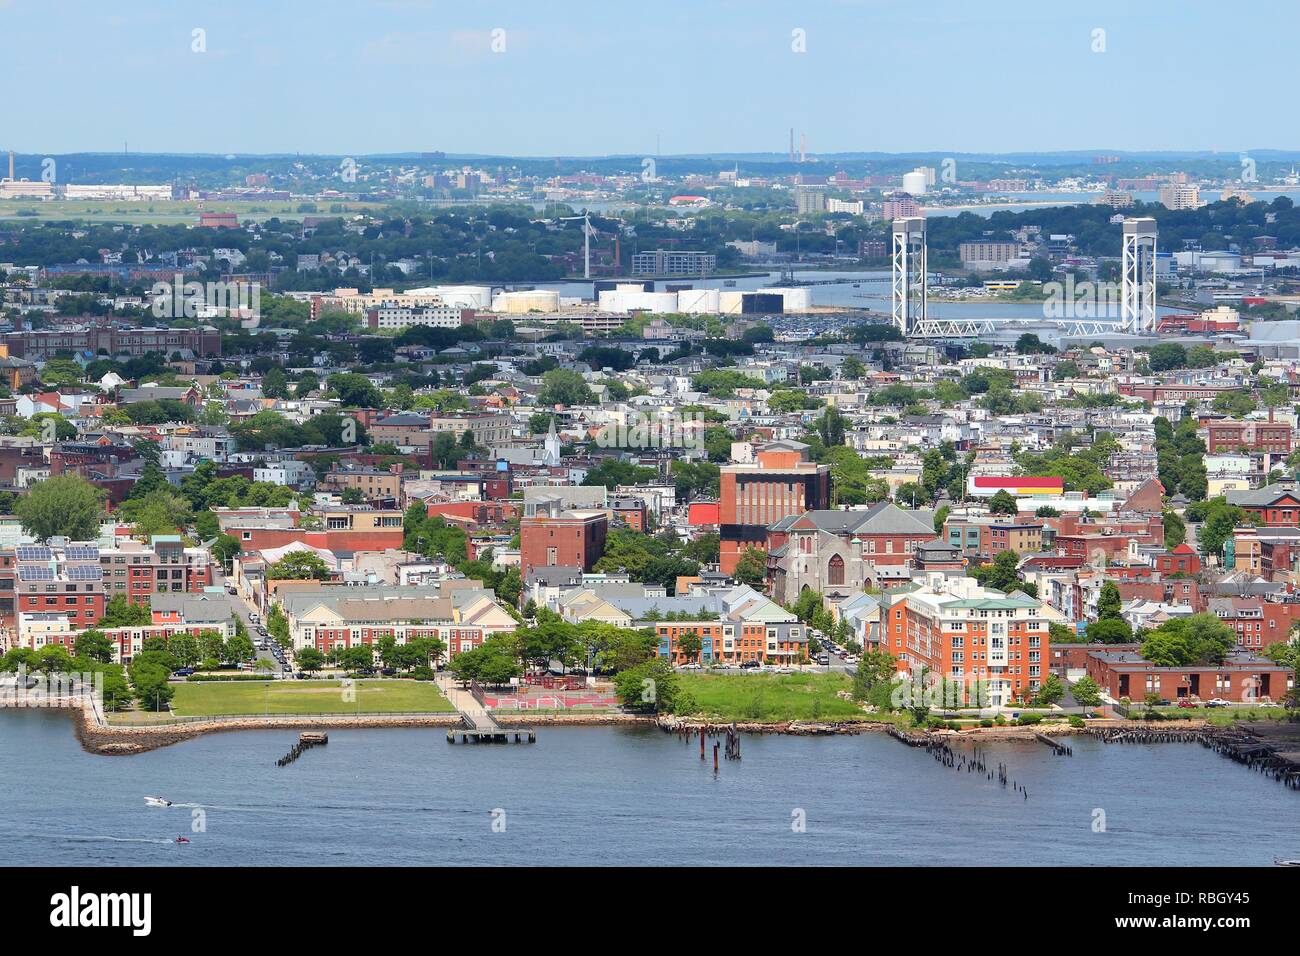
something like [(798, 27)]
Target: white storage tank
[(731, 302), (793, 300), (525, 301), (698, 301), (634, 298), (478, 297)]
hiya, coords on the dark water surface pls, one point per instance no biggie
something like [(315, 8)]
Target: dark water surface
[(624, 796)]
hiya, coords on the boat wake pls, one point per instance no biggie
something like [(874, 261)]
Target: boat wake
[(113, 839)]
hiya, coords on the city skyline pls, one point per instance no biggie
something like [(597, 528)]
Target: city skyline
[(407, 77)]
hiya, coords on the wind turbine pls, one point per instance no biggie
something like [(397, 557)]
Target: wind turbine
[(586, 240)]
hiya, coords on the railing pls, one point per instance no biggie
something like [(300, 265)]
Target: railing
[(341, 715)]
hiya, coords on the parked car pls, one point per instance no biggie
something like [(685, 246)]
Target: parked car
[(183, 672), (1217, 702), (750, 665)]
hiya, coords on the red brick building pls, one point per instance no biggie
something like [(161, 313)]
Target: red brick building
[(568, 539), (1242, 677), (781, 484), (1273, 438)]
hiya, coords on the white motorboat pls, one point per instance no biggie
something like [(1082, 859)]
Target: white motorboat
[(157, 802)]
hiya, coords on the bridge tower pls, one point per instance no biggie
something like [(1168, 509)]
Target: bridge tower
[(909, 271), (1138, 281)]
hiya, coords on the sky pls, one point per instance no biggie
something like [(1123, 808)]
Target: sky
[(603, 77)]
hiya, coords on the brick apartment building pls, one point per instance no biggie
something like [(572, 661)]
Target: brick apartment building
[(1226, 437), (1124, 673), (957, 630), (112, 340), (562, 539), (1276, 505), (781, 484)]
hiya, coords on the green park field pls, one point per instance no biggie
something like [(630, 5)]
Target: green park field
[(231, 698), (771, 698)]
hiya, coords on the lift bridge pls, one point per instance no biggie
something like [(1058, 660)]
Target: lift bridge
[(911, 314)]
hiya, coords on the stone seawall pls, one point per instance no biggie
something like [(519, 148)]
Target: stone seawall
[(124, 741)]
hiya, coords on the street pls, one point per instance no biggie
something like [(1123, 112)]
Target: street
[(241, 609)]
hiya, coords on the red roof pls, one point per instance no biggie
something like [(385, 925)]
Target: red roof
[(988, 481)]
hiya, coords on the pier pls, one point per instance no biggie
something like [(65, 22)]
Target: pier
[(305, 742), (477, 726)]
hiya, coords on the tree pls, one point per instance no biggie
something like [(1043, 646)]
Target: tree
[(307, 384), (355, 391), (94, 645), (225, 548), (751, 569), (309, 659), (1109, 602), (1051, 691), (1004, 503), (653, 686), (119, 612), (67, 505), (690, 645), (1183, 641), (1110, 631), (1086, 692), (298, 566), (1175, 529), (874, 679), (561, 386), (275, 384), (1166, 356), (494, 661), (941, 516), (159, 512), (1002, 575)]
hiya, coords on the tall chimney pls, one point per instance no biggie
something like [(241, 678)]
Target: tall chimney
[(11, 164)]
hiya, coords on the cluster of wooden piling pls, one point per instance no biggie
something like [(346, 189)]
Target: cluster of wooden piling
[(1148, 735), (730, 735), (305, 743), (1238, 746), (939, 749), (1058, 748), (1257, 755)]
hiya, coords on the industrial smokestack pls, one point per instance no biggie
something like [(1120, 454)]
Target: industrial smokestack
[(11, 164)]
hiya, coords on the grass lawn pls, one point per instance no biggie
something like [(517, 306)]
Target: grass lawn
[(216, 698), (1219, 716), (772, 697)]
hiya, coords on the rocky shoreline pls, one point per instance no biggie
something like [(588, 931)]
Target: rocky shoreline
[(121, 740)]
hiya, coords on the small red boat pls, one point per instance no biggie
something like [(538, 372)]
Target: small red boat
[(182, 839)]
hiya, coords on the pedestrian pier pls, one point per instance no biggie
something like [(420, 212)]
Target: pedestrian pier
[(484, 729), (477, 726)]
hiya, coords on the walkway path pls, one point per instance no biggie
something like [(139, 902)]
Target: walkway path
[(474, 713)]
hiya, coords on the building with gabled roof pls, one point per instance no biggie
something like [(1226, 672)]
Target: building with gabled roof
[(460, 613), (838, 552)]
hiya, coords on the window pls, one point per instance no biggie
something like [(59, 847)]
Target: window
[(835, 570)]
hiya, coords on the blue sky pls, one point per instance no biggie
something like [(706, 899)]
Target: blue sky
[(579, 77)]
